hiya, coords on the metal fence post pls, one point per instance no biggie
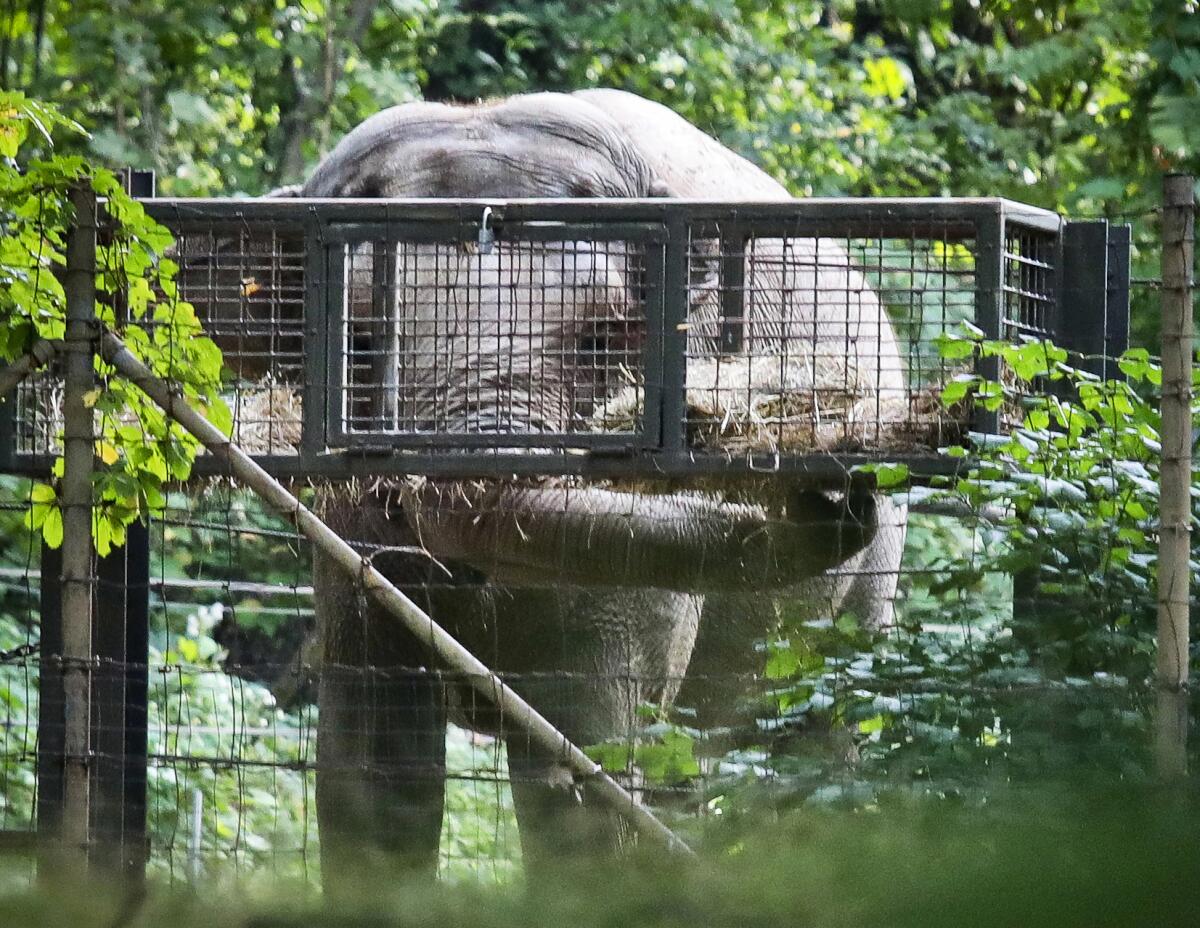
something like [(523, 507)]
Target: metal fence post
[(1175, 508)]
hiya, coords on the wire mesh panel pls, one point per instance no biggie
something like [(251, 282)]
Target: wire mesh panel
[(249, 281), (1030, 275), (455, 343), (799, 345)]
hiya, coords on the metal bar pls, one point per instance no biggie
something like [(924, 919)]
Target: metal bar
[(76, 502), (734, 243), (1175, 511), (442, 643), (317, 322), (391, 338), (336, 315), (653, 305), (989, 305), (948, 216), (1083, 298), (385, 337), (673, 390), (1116, 323)]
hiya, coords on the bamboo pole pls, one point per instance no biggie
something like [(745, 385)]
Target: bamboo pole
[(1175, 509), (512, 707), (76, 502)]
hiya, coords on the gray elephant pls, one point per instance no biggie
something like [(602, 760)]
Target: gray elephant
[(590, 599)]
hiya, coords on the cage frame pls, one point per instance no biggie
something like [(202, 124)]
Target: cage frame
[(1084, 287)]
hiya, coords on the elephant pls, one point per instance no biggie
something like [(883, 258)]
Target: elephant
[(591, 600)]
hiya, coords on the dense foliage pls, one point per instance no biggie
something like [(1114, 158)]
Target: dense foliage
[(138, 446), (1075, 104)]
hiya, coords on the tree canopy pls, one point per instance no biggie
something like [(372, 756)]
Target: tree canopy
[(1074, 105)]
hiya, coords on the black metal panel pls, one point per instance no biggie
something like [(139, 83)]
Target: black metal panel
[(1084, 295), (119, 705), (51, 744), (139, 183)]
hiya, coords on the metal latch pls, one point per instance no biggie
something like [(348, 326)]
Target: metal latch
[(487, 236)]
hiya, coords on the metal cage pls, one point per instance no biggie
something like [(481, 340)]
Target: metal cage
[(613, 338)]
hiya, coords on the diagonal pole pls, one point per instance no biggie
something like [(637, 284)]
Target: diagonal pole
[(527, 719)]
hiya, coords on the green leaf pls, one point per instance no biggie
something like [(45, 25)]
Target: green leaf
[(52, 528)]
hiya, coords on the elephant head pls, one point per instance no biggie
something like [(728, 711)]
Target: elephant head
[(485, 356)]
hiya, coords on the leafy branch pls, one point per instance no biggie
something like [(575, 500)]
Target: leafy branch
[(138, 450)]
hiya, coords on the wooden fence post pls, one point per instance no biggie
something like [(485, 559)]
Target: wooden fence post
[(76, 502), (1175, 508)]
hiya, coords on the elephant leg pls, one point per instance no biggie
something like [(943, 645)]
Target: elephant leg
[(381, 743), (601, 655), (875, 571), (559, 822), (725, 663)]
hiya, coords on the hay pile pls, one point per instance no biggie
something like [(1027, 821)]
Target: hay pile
[(735, 406), (267, 418), (776, 404)]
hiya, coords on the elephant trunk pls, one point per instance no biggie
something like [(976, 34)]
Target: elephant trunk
[(599, 537)]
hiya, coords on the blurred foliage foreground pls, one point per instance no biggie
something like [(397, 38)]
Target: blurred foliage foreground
[(1055, 858)]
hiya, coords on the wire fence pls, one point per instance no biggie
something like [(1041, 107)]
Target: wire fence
[(721, 645)]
